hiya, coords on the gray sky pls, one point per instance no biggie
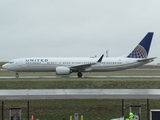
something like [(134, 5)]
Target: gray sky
[(76, 28)]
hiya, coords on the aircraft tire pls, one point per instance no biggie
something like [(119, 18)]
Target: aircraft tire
[(17, 75), (79, 75)]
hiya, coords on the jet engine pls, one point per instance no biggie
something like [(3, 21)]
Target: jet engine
[(61, 70)]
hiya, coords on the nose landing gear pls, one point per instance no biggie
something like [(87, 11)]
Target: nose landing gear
[(17, 75)]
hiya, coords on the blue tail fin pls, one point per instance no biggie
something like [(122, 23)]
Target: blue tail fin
[(142, 49)]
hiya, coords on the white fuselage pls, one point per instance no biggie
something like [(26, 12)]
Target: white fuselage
[(50, 64), (65, 66)]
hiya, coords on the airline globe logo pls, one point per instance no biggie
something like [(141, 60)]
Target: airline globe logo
[(138, 52)]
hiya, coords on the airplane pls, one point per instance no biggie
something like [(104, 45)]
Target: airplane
[(68, 65)]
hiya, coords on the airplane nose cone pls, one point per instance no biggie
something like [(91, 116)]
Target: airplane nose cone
[(4, 66)]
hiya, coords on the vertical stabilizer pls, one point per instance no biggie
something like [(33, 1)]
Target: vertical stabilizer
[(142, 49)]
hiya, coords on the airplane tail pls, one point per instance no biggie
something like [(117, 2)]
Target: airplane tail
[(142, 49)]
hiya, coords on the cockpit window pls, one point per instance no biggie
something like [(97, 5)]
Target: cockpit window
[(11, 62)]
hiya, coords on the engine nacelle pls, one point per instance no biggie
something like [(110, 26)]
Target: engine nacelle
[(61, 70)]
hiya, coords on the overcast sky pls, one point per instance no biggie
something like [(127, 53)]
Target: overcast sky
[(76, 28)]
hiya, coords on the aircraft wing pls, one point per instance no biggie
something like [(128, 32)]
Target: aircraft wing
[(82, 67), (147, 59), (85, 67)]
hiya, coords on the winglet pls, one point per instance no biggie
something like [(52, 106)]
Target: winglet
[(100, 59), (142, 49)]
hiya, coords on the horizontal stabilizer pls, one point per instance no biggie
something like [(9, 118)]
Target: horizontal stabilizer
[(147, 59)]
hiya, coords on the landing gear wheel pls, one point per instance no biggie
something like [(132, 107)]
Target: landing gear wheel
[(79, 74), (17, 75)]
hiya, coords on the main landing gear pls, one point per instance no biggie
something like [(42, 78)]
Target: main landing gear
[(17, 75), (79, 74)]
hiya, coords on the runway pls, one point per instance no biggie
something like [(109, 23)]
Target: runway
[(36, 94), (95, 77)]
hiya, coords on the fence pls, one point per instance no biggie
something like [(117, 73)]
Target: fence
[(91, 109)]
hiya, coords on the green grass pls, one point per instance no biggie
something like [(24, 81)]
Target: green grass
[(81, 83), (92, 109)]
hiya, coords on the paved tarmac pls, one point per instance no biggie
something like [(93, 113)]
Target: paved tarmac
[(54, 77), (36, 94)]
